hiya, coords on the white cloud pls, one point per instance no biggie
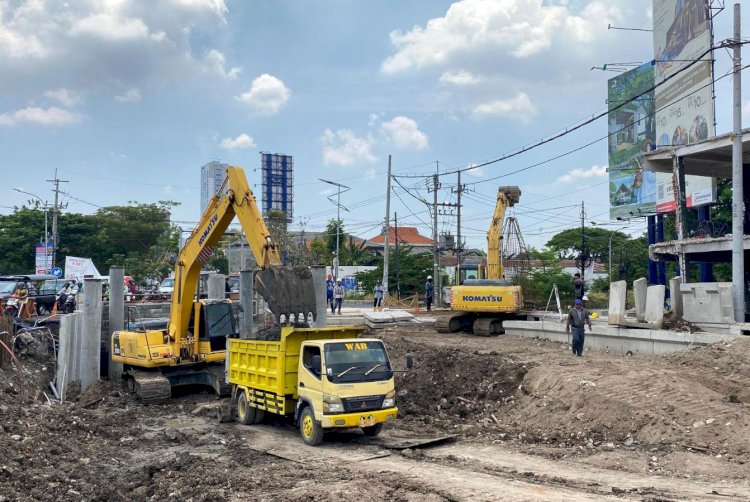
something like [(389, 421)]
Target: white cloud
[(266, 95), (344, 148), (477, 172), (578, 174), (241, 141), (459, 78), (132, 95), (519, 107), (52, 116), (48, 44), (65, 97), (216, 62), (519, 28), (373, 119), (405, 134)]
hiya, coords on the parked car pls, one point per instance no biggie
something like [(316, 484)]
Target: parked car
[(167, 285), (41, 287)]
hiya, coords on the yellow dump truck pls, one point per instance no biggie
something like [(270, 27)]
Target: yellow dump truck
[(327, 378)]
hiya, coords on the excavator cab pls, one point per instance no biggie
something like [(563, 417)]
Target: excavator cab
[(215, 323)]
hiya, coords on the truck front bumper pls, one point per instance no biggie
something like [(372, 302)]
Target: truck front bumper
[(364, 419)]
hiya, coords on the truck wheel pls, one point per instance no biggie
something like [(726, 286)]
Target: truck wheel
[(372, 431), (312, 432), (245, 412), (259, 415)]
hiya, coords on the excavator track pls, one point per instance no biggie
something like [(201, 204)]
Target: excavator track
[(150, 387), (452, 323), (487, 326)]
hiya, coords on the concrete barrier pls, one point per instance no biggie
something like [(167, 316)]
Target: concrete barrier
[(617, 339)]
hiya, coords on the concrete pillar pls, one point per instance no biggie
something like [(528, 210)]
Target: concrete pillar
[(216, 287), (674, 286), (651, 233), (67, 350), (639, 291), (91, 332), (617, 299), (655, 305), (321, 307), (247, 292), (116, 316)]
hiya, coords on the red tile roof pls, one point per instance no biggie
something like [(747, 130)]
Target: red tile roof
[(406, 235)]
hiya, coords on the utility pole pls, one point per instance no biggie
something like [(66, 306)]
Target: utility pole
[(738, 212), (583, 242), (55, 211), (398, 267), (435, 247), (459, 244), (387, 230), (339, 186)]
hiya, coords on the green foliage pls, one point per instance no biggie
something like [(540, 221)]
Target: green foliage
[(537, 284), (414, 269), (319, 252), (138, 236), (352, 253)]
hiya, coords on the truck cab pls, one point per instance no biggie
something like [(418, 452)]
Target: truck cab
[(344, 384)]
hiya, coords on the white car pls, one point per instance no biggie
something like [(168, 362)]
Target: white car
[(167, 285)]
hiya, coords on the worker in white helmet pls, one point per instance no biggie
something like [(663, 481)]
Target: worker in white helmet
[(429, 292)]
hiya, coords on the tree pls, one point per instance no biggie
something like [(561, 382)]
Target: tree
[(319, 252), (292, 253), (414, 269), (352, 253)]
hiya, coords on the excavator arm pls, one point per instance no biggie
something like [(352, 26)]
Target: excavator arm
[(506, 197), (235, 199)]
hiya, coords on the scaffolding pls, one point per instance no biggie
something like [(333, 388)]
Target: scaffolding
[(278, 184)]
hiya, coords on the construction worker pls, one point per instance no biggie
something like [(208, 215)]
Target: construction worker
[(329, 290), (577, 318), (338, 297), (429, 292), (378, 301)]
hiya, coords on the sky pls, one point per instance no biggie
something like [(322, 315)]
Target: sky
[(127, 99)]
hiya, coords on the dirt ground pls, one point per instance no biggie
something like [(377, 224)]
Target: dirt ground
[(531, 423)]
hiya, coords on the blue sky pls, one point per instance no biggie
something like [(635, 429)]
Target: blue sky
[(127, 99)]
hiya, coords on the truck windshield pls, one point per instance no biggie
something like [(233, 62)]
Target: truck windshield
[(357, 362)]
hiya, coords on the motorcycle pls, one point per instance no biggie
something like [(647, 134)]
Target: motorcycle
[(12, 305), (66, 303)]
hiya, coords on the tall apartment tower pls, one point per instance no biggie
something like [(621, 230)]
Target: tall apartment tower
[(212, 177)]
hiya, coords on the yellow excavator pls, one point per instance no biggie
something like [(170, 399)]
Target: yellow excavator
[(480, 306), (192, 348)]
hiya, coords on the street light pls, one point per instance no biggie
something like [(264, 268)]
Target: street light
[(46, 235), (611, 234), (339, 207)]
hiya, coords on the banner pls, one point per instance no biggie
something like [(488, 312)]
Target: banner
[(77, 268), (684, 105), (632, 190), (43, 258)]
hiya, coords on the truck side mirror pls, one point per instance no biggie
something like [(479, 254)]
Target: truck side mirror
[(409, 362), (315, 364)]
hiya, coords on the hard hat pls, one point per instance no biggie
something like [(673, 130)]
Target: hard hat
[(578, 302), (595, 315), (585, 298), (429, 277)]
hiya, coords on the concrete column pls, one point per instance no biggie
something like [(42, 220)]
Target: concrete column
[(674, 287), (639, 291), (216, 287), (247, 292), (116, 316), (91, 332), (321, 307), (617, 298), (655, 305), (651, 233), (67, 350)]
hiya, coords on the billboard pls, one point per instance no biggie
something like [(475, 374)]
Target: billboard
[(684, 105), (632, 190), (278, 183), (77, 268), (43, 258)]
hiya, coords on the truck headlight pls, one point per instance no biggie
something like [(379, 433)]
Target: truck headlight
[(332, 404), (390, 400)]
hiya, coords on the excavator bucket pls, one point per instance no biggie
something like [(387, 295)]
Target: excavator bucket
[(289, 291), (512, 193)]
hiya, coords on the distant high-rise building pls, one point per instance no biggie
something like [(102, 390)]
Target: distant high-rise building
[(277, 171), (212, 177)]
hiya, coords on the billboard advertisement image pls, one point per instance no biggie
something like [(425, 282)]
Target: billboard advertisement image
[(632, 190), (684, 104)]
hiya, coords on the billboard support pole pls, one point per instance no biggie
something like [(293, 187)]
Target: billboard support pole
[(678, 180), (738, 231)]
